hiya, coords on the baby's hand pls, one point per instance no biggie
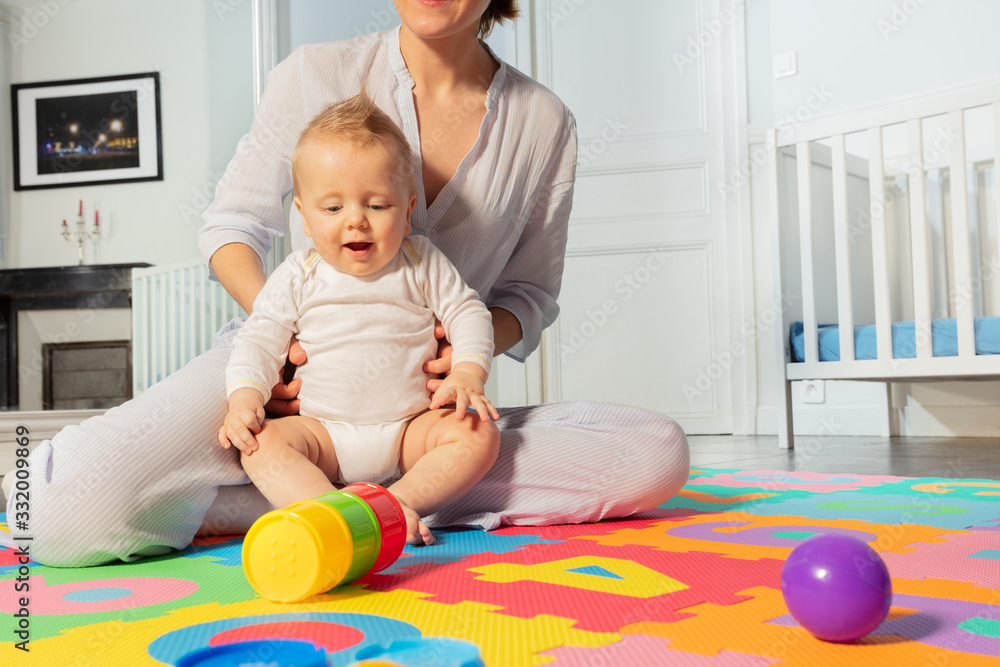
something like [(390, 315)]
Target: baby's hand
[(464, 389), (245, 418)]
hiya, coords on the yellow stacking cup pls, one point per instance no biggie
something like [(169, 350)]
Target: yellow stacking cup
[(309, 547)]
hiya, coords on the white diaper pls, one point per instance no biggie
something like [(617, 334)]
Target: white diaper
[(369, 452)]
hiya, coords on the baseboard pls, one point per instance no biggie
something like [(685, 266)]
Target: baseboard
[(960, 421), (41, 425), (830, 420)]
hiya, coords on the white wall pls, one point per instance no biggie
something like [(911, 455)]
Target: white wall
[(194, 47), (6, 184), (860, 53), (864, 52)]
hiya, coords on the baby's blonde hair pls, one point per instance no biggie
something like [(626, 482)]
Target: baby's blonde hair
[(359, 121)]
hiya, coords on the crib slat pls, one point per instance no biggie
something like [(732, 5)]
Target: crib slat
[(919, 242), (880, 245), (803, 163), (842, 248), (786, 438), (960, 237), (996, 160)]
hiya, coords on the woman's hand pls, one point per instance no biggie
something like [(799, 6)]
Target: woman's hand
[(284, 395), (442, 365)]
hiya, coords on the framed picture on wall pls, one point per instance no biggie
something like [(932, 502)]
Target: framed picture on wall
[(87, 131)]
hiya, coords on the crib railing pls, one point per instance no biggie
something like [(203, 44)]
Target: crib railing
[(176, 311), (831, 132)]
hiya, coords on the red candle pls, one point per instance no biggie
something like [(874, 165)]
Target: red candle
[(81, 207), (95, 218), (64, 223)]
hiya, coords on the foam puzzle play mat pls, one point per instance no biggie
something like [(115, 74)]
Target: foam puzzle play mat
[(697, 581)]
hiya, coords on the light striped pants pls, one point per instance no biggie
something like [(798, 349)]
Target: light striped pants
[(142, 478)]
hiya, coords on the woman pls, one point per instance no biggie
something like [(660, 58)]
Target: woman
[(496, 155)]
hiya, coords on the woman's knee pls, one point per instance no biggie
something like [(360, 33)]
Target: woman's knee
[(668, 461)]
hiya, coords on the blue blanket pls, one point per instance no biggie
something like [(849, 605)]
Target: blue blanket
[(944, 340)]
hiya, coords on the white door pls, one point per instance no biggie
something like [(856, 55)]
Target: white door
[(644, 306)]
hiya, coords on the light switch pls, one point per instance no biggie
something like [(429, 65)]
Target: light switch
[(785, 65)]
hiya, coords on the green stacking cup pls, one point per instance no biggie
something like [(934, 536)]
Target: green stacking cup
[(363, 526)]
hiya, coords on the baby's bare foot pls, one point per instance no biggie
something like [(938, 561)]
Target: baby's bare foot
[(416, 531)]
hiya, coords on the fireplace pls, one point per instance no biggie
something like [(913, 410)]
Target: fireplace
[(88, 375), (76, 288)]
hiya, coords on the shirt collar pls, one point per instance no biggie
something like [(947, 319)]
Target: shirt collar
[(403, 74)]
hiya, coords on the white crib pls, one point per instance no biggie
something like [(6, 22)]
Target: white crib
[(943, 273)]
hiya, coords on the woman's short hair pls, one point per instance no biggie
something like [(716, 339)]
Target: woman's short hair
[(358, 120), (497, 12)]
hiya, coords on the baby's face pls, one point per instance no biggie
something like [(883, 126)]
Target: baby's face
[(355, 204)]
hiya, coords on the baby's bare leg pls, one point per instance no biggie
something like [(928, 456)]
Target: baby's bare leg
[(294, 461), (441, 458)]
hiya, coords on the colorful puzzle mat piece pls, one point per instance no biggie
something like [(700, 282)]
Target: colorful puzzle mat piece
[(694, 582), (611, 586), (780, 480), (973, 557), (943, 512)]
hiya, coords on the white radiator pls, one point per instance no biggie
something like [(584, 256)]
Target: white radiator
[(176, 311)]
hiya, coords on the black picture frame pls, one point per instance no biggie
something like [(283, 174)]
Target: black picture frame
[(87, 131)]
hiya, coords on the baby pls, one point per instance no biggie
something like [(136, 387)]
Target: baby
[(363, 306)]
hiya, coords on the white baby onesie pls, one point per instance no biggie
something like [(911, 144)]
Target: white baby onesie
[(366, 339)]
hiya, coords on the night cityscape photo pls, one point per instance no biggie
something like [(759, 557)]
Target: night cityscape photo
[(87, 132)]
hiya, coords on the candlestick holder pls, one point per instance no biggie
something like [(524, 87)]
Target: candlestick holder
[(82, 233)]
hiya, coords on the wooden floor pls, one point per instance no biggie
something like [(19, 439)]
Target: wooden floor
[(959, 458), (903, 456)]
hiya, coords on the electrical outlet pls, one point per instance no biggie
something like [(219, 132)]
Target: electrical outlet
[(813, 391)]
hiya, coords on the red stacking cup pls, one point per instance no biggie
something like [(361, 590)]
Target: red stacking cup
[(391, 521)]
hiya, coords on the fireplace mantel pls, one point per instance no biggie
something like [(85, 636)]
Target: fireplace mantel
[(53, 288)]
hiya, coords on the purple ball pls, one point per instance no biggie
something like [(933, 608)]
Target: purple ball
[(836, 587)]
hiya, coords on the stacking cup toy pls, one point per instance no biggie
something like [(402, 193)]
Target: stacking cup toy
[(314, 545)]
